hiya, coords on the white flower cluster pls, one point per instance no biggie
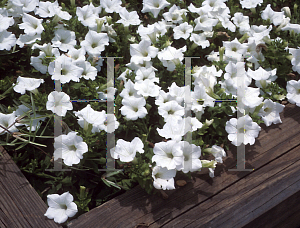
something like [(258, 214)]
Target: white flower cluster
[(73, 64)]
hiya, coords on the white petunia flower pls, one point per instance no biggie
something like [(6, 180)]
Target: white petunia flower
[(31, 25), (205, 23), (171, 111), (86, 16), (175, 14), (218, 152), (7, 40), (60, 207), (163, 178), (200, 40), (6, 22), (174, 130), (27, 39), (146, 73), (147, 88), (29, 84), (168, 154), (111, 6), (129, 90), (296, 59), (248, 4), (64, 39), (46, 9), (191, 154), (27, 5), (35, 123), (293, 92), (70, 147), (6, 120), (128, 18), (142, 52), (163, 98), (126, 151), (95, 43), (270, 112), (89, 72), (77, 55), (183, 31), (65, 70), (242, 130), (154, 6), (133, 108), (59, 103)]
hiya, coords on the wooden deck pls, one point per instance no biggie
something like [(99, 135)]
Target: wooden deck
[(20, 204), (269, 196)]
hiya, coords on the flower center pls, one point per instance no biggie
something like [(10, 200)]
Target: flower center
[(145, 54), (64, 71), (63, 206), (5, 123), (186, 158), (266, 109), (135, 109), (234, 49), (170, 155), (298, 91), (156, 5), (170, 112), (200, 102), (73, 147), (94, 45), (158, 175), (241, 130)]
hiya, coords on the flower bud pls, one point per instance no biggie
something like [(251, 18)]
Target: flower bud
[(82, 193), (221, 52), (244, 37), (208, 164), (286, 11), (72, 3), (289, 57), (208, 122), (295, 7), (99, 24)]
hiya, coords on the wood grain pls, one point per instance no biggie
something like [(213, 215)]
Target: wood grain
[(20, 204)]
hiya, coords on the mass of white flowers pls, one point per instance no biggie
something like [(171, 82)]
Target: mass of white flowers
[(67, 58)]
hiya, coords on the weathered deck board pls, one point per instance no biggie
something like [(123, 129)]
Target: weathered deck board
[(20, 205), (204, 201)]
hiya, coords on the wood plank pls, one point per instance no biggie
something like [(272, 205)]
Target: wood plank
[(248, 198), (20, 204), (135, 206), (285, 214)]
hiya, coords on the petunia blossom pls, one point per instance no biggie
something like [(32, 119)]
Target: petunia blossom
[(126, 151), (59, 103), (163, 178), (29, 84), (168, 154), (154, 6), (60, 207)]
